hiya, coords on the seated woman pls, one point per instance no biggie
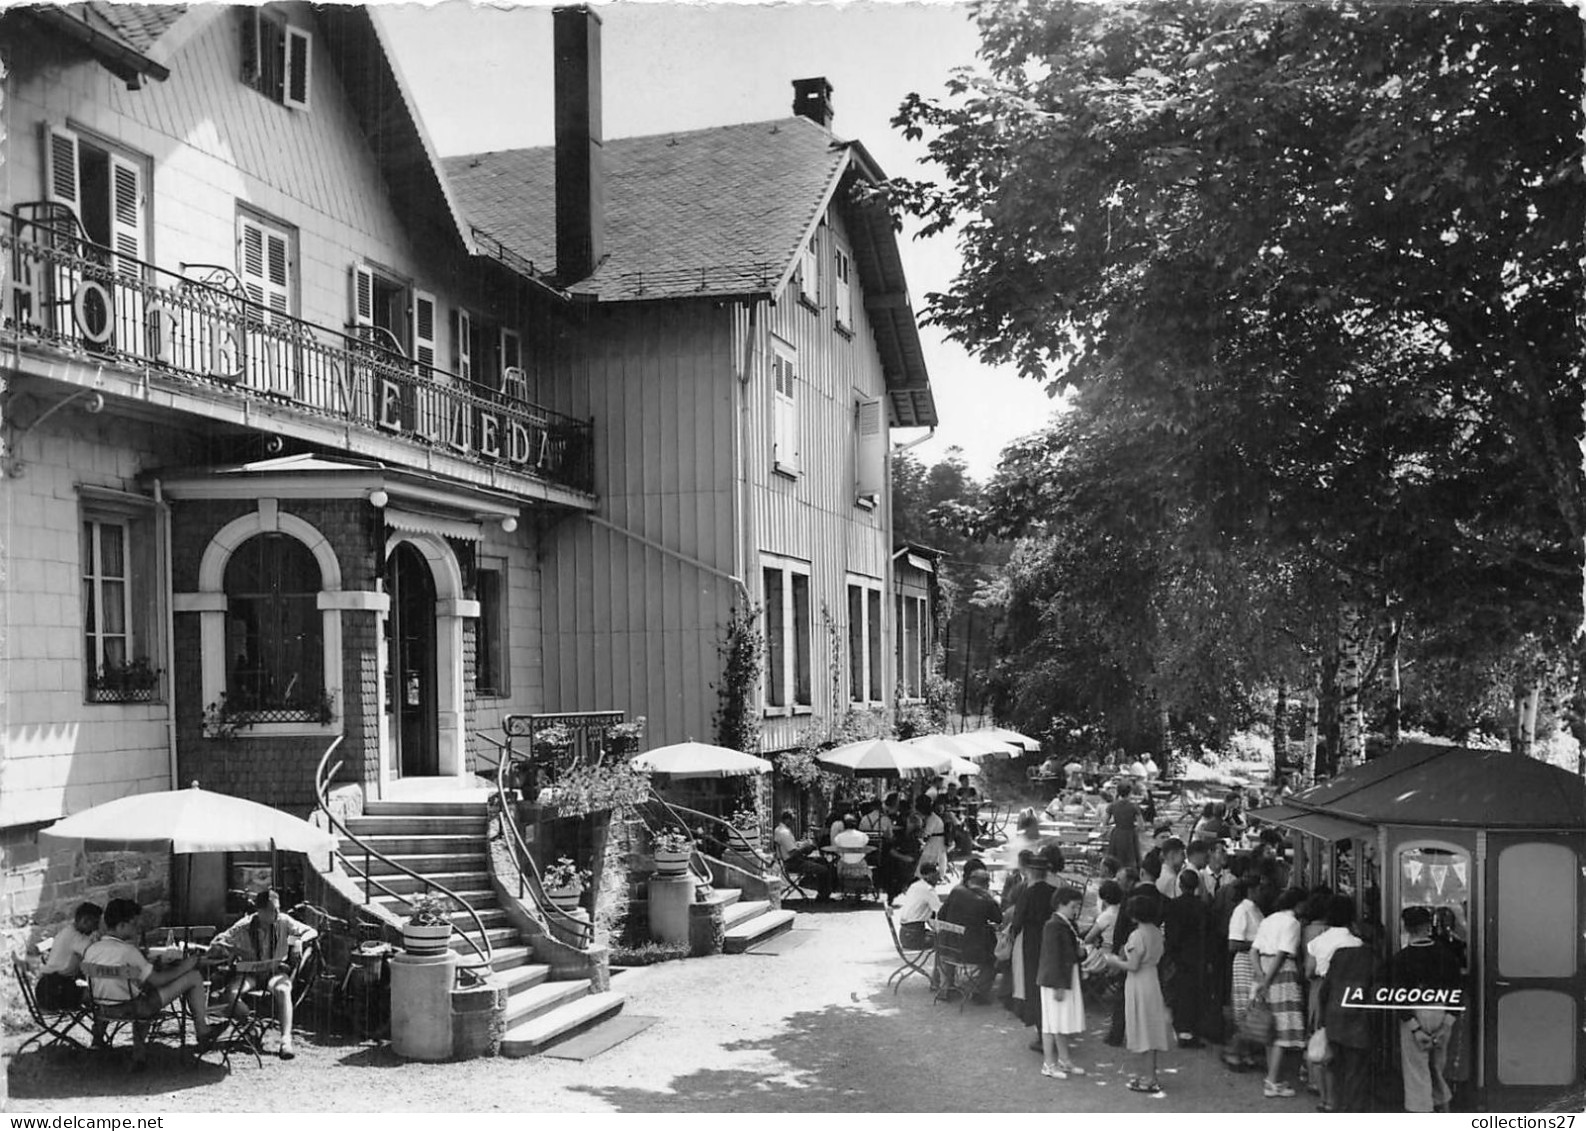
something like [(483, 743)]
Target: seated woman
[(270, 936), (57, 986)]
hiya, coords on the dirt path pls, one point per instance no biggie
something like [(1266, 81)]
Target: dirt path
[(812, 1030)]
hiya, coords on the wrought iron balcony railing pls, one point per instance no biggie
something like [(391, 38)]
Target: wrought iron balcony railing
[(82, 297)]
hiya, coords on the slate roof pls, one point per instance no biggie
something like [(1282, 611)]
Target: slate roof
[(713, 213), (139, 26), (719, 211), (1429, 784)]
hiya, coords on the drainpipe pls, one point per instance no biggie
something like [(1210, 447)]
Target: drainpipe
[(163, 509)]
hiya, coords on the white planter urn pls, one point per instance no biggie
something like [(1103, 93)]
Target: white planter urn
[(426, 938), (672, 861)]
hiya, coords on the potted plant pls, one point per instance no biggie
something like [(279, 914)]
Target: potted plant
[(745, 821), (428, 929), (563, 883), (672, 848)]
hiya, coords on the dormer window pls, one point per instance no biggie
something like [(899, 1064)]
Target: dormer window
[(276, 58)]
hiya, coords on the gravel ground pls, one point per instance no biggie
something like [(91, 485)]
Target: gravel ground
[(812, 1030)]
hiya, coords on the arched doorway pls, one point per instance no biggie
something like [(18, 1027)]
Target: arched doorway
[(412, 699)]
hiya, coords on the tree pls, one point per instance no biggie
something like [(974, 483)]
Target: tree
[(1327, 258)]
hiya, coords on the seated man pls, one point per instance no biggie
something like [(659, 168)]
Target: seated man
[(853, 848), (798, 858), (265, 936), (920, 904), (57, 986), (972, 906), (158, 987), (1050, 768)]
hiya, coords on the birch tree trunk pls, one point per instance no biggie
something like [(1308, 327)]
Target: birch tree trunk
[(1395, 682), (1351, 734), (1313, 705), (1533, 701), (1517, 719)]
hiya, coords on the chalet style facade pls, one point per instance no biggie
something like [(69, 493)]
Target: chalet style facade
[(309, 438), (745, 345), (274, 472)]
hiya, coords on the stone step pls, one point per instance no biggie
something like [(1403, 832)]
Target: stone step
[(479, 899), (723, 897), (539, 999), (460, 882), (469, 859), (418, 826), (529, 1037), (517, 979), (425, 809), (499, 937), (505, 958), (738, 938), (436, 845), (744, 910)]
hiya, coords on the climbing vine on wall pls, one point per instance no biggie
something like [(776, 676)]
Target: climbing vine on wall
[(738, 694)]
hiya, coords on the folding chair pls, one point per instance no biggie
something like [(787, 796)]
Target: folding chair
[(248, 1034), (950, 963), (792, 881), (111, 1015), (911, 962), (55, 1026)]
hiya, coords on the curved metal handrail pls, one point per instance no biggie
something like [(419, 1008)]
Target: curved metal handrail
[(740, 843), (322, 781), (583, 932)]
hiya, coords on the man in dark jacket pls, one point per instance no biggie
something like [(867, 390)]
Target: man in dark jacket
[(972, 906), (1349, 1031)]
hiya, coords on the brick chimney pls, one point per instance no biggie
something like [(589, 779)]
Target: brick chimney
[(812, 99), (580, 156)]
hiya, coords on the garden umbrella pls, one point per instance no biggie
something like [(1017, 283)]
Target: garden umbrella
[(1011, 737), (700, 760), (883, 758), (983, 742), (187, 821), (954, 746), (962, 767)]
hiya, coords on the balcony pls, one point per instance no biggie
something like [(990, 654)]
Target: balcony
[(85, 299)]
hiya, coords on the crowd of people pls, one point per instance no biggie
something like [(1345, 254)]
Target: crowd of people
[(1193, 941)]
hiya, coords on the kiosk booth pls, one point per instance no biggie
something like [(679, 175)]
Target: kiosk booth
[(1494, 844)]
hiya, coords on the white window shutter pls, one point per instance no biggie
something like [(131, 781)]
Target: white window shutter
[(126, 215), (785, 424), (462, 345), (278, 272), (264, 265), (61, 184), (362, 296), (299, 54), (424, 330), (872, 448), (843, 270), (810, 271)]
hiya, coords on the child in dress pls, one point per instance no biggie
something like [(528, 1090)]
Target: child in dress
[(1147, 1027), (1062, 1005)]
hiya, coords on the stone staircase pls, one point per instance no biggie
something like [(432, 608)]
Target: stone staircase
[(747, 921), (446, 842)]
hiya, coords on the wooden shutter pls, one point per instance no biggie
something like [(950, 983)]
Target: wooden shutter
[(298, 48), (872, 435), (61, 183), (785, 412), (250, 47), (810, 272), (424, 331), (843, 271), (264, 264), (126, 215), (463, 345), (363, 298)]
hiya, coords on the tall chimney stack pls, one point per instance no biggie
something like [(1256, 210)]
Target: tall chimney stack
[(580, 156), (812, 99)]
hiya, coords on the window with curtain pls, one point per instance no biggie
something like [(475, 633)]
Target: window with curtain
[(274, 636)]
